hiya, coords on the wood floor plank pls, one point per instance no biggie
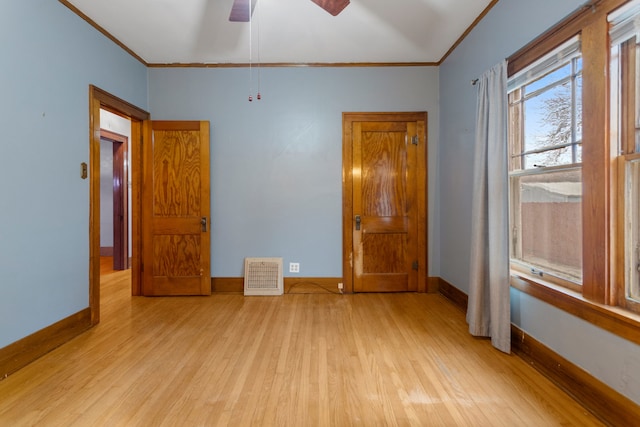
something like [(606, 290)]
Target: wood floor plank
[(291, 360)]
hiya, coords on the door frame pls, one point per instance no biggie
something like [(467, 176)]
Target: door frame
[(348, 118), (100, 99)]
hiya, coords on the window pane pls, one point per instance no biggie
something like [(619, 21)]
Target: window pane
[(548, 222), (637, 49), (550, 78), (548, 118), (632, 214), (637, 67), (579, 107)]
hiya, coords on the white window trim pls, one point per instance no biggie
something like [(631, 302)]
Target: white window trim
[(559, 56)]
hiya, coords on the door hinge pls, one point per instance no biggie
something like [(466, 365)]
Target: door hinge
[(414, 265), (414, 140)]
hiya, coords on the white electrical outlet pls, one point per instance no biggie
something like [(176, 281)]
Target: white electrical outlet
[(294, 267), (340, 286)]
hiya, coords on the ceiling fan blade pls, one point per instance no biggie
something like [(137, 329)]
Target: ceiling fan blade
[(334, 7), (241, 10)]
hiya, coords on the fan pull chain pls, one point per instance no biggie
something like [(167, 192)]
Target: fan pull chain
[(250, 52), (258, 95), (259, 62)]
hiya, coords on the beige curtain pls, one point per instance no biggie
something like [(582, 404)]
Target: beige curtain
[(488, 312)]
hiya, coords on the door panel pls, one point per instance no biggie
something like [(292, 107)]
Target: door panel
[(383, 195), (175, 210), (384, 207)]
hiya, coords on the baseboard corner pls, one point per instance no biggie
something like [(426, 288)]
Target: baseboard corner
[(453, 294)]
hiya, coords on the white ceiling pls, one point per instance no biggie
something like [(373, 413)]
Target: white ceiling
[(285, 31)]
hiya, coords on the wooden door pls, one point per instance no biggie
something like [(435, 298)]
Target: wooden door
[(175, 209), (385, 216)]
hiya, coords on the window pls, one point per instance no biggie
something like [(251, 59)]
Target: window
[(545, 176), (591, 174), (632, 232), (575, 171), (625, 140)]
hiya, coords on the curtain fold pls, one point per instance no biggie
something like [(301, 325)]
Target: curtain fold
[(488, 312)]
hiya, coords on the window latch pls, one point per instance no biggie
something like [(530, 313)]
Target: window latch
[(536, 272)]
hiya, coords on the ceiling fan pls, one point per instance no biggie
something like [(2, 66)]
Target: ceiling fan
[(242, 9)]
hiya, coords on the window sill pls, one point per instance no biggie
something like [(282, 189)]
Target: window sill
[(618, 321)]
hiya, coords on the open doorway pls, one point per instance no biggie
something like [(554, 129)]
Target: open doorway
[(115, 200), (101, 102)]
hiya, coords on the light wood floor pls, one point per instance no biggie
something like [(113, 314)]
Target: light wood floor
[(294, 360)]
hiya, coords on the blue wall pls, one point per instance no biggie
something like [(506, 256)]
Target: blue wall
[(48, 58), (510, 25), (276, 168)]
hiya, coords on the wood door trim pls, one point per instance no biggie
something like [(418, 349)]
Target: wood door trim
[(112, 136), (348, 118), (98, 99)]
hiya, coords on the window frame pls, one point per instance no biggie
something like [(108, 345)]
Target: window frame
[(567, 54), (625, 118), (623, 163), (599, 299)]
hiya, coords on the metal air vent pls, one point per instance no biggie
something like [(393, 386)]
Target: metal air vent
[(263, 276)]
